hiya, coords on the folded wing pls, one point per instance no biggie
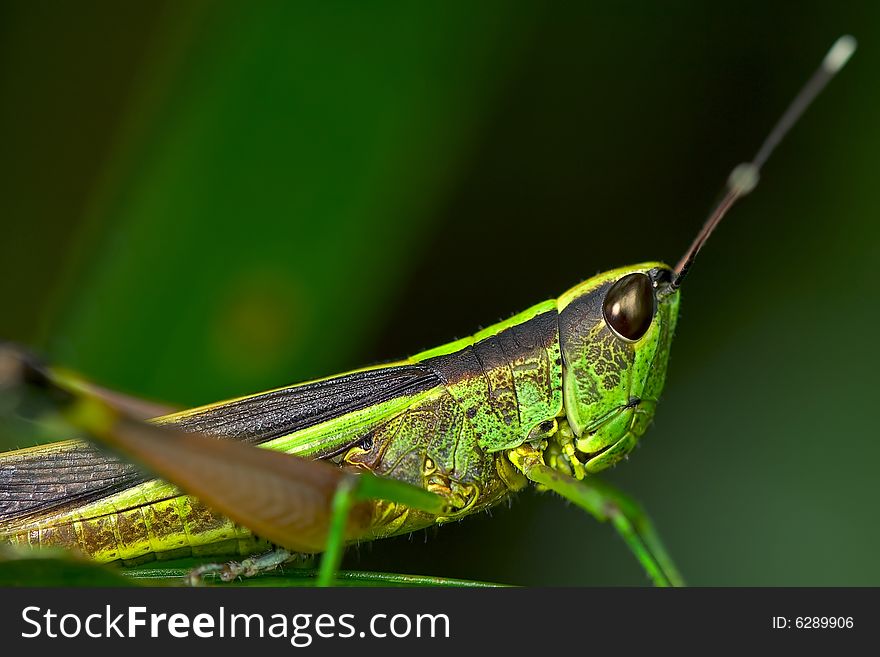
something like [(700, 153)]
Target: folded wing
[(54, 477)]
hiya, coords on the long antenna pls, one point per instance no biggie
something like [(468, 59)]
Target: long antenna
[(744, 177)]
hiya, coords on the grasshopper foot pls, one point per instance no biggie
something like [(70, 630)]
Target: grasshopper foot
[(250, 567)]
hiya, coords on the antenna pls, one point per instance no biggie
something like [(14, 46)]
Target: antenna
[(744, 177)]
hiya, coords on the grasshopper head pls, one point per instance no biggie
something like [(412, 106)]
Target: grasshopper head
[(615, 331)]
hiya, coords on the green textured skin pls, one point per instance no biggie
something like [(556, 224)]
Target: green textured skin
[(603, 373), (556, 364)]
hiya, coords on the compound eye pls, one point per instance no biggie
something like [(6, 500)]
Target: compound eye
[(629, 306)]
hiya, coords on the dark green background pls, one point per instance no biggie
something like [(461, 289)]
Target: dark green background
[(201, 200)]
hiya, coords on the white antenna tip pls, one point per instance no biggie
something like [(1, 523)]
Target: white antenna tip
[(743, 179), (840, 53)]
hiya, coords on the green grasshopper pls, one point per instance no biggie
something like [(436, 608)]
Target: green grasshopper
[(552, 396)]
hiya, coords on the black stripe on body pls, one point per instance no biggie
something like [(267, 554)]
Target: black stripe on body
[(278, 413), (53, 477), (509, 344)]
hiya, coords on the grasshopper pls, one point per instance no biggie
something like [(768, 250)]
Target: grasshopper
[(552, 396)]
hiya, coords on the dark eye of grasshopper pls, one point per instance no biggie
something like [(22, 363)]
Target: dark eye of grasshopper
[(629, 306)]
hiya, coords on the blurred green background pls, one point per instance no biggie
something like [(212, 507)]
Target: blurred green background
[(206, 199)]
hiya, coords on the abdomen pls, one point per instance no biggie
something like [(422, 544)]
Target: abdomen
[(144, 523)]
